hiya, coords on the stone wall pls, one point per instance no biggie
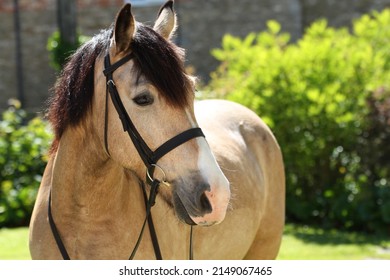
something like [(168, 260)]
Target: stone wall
[(202, 26), (204, 23)]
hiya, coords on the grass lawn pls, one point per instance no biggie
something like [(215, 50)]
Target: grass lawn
[(299, 243), (306, 243), (14, 244)]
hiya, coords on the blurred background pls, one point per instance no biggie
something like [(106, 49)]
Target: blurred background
[(317, 71), (203, 23)]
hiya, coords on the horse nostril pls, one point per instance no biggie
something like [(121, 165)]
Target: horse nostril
[(205, 203)]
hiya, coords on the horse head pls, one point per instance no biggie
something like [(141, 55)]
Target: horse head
[(158, 96)]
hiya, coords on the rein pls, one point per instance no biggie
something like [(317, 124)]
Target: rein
[(149, 157)]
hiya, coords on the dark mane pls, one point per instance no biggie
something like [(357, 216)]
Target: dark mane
[(157, 59), (72, 93), (161, 62)]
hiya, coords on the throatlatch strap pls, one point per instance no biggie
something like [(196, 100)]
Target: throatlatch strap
[(106, 125)]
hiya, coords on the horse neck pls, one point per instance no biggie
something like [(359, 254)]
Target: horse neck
[(86, 182)]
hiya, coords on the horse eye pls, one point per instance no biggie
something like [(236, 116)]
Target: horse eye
[(143, 99)]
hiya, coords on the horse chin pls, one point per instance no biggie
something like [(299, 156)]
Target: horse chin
[(183, 215), (208, 220), (181, 211)]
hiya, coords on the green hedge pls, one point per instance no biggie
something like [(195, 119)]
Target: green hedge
[(60, 50), (325, 98), (23, 148), (23, 151)]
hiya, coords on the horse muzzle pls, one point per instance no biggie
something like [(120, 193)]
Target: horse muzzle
[(201, 205)]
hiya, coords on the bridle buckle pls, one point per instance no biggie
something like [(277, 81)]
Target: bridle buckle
[(111, 82)]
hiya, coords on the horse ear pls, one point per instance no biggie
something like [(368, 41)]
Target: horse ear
[(124, 29), (166, 20)]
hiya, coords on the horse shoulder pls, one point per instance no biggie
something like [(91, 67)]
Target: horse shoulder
[(39, 232), (251, 158), (232, 129)]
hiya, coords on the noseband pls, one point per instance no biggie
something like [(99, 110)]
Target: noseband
[(149, 157)]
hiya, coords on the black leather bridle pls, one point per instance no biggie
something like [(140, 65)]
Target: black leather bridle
[(149, 157)]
